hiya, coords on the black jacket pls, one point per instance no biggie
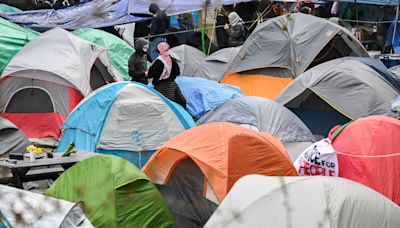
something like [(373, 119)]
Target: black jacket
[(157, 68), (159, 21), (236, 35), (222, 34), (137, 63)]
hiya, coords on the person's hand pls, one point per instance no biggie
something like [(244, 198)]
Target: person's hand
[(146, 73), (226, 26)]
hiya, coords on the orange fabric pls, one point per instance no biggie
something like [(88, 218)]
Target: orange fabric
[(369, 153), (258, 85), (224, 152)]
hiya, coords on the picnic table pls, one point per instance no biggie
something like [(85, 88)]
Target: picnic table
[(20, 168)]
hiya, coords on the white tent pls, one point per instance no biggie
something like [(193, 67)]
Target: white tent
[(299, 202), (26, 209)]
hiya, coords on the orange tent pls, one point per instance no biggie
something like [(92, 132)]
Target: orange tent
[(369, 153), (222, 153), (258, 84)]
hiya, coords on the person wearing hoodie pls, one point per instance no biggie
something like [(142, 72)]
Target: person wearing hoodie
[(159, 25), (164, 70), (137, 63), (235, 30)]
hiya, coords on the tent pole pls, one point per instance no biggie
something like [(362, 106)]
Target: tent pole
[(395, 25)]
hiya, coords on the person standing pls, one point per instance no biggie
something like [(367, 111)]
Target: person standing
[(159, 26), (137, 63), (221, 33), (164, 70), (235, 30)]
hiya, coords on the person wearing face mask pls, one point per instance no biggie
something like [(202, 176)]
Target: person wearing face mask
[(163, 71), (137, 63), (235, 30)]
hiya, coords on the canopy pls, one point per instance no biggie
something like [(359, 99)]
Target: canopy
[(188, 58), (104, 13), (266, 116), (338, 91), (115, 193), (202, 95), (128, 119), (313, 202), (27, 209), (118, 50), (12, 38), (12, 140), (367, 151)]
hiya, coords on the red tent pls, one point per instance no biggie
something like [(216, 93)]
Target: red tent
[(368, 152)]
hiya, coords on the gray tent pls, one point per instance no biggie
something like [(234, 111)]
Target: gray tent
[(264, 115), (214, 66), (289, 45), (12, 140), (188, 58), (336, 92)]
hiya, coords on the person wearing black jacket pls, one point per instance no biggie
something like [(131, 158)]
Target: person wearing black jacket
[(221, 33), (163, 71), (159, 25), (137, 63)]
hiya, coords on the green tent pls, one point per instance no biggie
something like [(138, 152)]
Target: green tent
[(9, 9), (12, 38), (114, 193), (118, 50)]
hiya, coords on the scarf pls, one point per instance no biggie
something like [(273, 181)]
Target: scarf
[(165, 58)]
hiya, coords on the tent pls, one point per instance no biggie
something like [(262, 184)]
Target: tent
[(20, 208), (127, 119), (336, 92), (264, 115), (196, 169), (118, 50), (104, 13), (284, 47), (47, 78), (12, 140), (379, 67), (12, 38), (202, 95), (188, 58), (367, 151), (313, 202), (114, 193), (214, 66)]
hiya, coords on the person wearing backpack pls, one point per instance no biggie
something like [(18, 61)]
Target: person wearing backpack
[(236, 30)]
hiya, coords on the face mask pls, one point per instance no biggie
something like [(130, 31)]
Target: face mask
[(145, 48)]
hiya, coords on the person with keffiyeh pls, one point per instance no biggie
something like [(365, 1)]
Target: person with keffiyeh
[(235, 30), (163, 71)]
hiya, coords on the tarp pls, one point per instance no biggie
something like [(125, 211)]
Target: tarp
[(115, 193), (295, 42), (104, 13), (118, 50), (129, 119), (187, 57), (12, 38), (266, 116), (12, 140), (202, 95), (298, 202), (27, 209), (368, 153)]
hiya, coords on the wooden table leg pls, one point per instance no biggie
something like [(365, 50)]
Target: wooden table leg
[(18, 176)]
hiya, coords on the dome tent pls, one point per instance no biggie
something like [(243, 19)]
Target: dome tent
[(38, 93), (314, 202), (196, 169), (12, 140), (114, 192), (127, 119)]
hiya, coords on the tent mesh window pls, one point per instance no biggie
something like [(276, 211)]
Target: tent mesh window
[(30, 100), (99, 75), (184, 195)]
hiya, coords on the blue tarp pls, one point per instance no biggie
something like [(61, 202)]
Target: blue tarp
[(103, 13), (379, 67), (202, 95)]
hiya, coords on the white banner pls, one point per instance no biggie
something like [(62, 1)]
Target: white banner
[(319, 159)]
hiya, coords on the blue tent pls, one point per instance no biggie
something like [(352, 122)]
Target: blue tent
[(127, 119), (379, 67), (203, 95), (103, 13)]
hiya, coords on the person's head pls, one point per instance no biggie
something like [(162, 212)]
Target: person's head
[(305, 10), (141, 45), (153, 8), (233, 17), (163, 49)]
